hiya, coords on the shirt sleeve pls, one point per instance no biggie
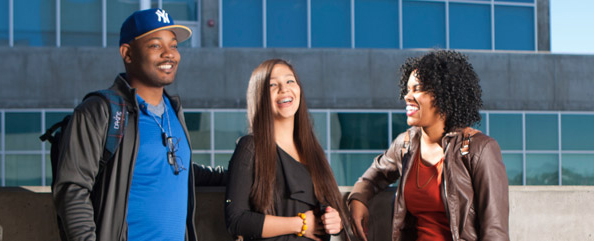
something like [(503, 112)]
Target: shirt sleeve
[(239, 217)]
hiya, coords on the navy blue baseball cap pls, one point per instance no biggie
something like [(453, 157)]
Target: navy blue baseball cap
[(145, 22)]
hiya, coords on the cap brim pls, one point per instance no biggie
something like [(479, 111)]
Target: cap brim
[(182, 33)]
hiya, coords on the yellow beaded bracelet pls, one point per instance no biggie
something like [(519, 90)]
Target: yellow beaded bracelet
[(304, 227)]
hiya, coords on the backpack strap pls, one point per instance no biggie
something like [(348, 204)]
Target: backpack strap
[(118, 119)]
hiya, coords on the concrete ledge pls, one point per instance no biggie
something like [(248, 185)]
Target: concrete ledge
[(536, 213)]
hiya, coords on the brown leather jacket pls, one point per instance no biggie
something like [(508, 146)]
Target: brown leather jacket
[(474, 187)]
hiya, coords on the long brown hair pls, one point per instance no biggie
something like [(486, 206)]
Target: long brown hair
[(261, 126)]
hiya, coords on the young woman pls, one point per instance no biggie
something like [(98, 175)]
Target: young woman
[(280, 185), (453, 184)]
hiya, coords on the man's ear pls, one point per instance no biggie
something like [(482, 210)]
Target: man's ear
[(126, 52)]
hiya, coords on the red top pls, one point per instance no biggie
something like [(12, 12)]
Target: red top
[(423, 200)]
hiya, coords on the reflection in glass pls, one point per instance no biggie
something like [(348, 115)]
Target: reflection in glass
[(542, 169), (482, 125), (359, 131), (223, 159), (34, 23), (507, 130), (348, 168), (23, 131), (229, 126), (423, 24), (198, 124), (514, 28), (286, 23), (117, 12), (23, 170), (376, 24), (513, 166), (201, 159), (242, 23), (470, 26), (48, 171), (578, 169), (398, 124), (81, 23), (542, 132), (577, 132), (331, 23), (319, 126)]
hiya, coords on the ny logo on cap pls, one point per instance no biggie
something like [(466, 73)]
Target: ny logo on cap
[(162, 15)]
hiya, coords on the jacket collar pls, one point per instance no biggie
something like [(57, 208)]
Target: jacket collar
[(122, 86), (297, 179)]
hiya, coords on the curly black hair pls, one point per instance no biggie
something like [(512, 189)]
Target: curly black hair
[(450, 78)]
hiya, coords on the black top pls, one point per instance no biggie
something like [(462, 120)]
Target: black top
[(294, 192)]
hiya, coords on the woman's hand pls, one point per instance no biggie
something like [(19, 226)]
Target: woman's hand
[(331, 221), (313, 227), (360, 215)]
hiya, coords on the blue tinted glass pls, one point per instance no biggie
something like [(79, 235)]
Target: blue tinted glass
[(22, 131), (398, 124), (201, 159), (330, 23), (514, 168), (23, 170), (34, 23), (48, 171), (514, 28), (348, 168), (542, 132), (519, 1), (578, 169), (4, 23), (423, 24), (242, 23), (320, 127), (481, 125), (228, 128), (470, 26), (359, 131), (507, 130), (117, 12), (81, 23), (542, 169), (577, 132), (223, 159), (376, 24), (199, 127), (286, 23)]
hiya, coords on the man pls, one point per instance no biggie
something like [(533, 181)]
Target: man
[(146, 191)]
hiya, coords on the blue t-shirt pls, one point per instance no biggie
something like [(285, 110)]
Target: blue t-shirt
[(158, 201)]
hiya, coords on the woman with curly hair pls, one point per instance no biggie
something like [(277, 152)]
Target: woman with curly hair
[(280, 184), (453, 184)]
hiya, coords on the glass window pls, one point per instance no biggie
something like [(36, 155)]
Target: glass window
[(359, 131), (199, 127), (229, 126), (482, 125), (52, 118), (398, 124), (348, 168), (48, 171), (542, 132), (331, 23), (81, 23), (320, 127), (577, 132), (423, 24), (542, 169), (578, 169), (376, 24), (242, 23), (286, 23), (470, 26), (34, 23), (201, 159), (23, 170), (23, 131), (223, 159), (514, 28), (183, 10), (117, 12), (507, 130), (518, 1), (514, 168), (4, 23)]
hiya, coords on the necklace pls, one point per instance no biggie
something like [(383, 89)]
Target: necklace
[(419, 167), (163, 134)]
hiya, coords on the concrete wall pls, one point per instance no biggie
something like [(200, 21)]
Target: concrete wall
[(332, 78), (536, 213)]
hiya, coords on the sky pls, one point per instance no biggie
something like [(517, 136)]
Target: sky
[(572, 26)]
